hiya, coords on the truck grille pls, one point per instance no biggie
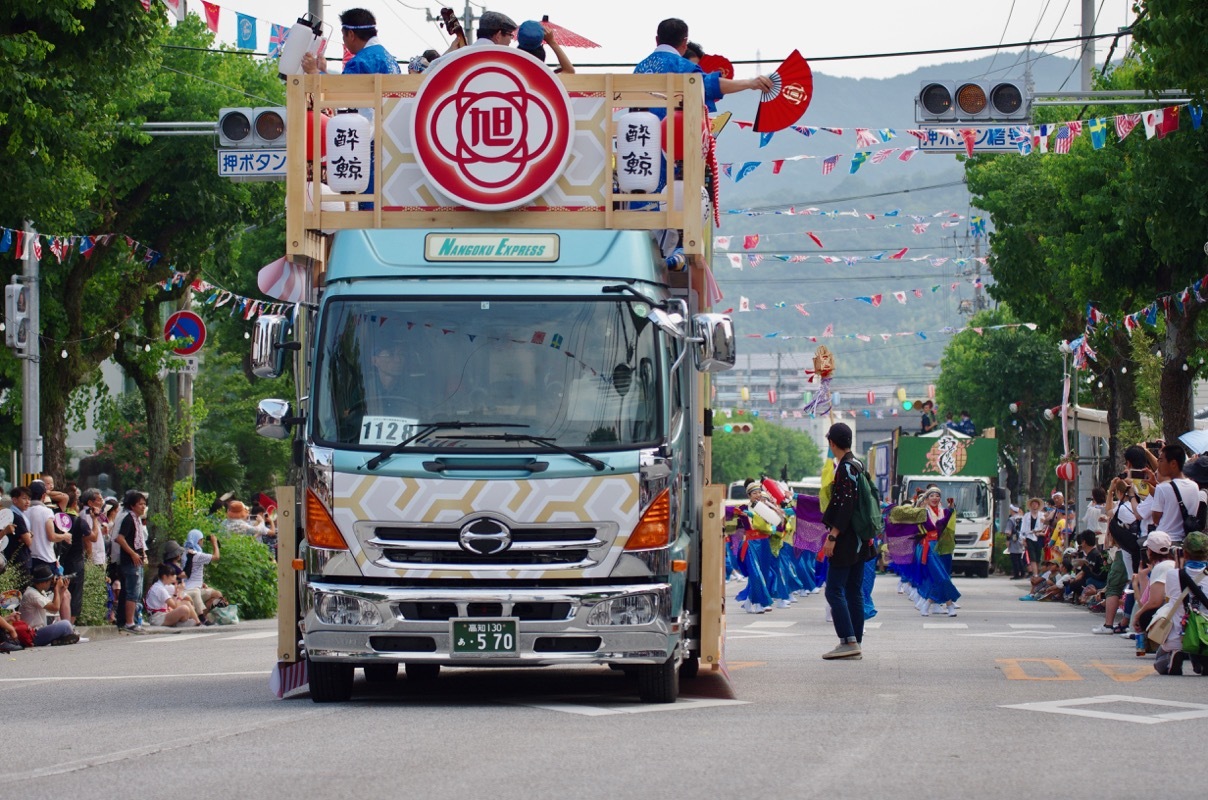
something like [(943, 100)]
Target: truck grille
[(966, 539), (532, 547)]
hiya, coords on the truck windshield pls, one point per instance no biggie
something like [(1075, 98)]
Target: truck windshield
[(580, 373), (972, 497)]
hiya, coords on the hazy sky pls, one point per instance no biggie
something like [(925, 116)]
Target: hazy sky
[(625, 28)]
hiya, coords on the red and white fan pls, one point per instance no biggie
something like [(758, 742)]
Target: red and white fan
[(792, 90)]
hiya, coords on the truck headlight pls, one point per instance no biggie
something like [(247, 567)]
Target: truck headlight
[(634, 609), (341, 609)]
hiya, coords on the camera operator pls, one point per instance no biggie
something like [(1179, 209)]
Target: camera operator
[(40, 598)]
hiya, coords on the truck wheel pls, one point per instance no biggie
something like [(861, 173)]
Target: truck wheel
[(420, 671), (330, 682), (660, 683), (982, 570), (381, 673), (689, 668)]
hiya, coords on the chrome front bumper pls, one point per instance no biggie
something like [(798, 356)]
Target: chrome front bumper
[(540, 642)]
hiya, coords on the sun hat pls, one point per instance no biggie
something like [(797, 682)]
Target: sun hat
[(1195, 546), (236, 510), (173, 550)]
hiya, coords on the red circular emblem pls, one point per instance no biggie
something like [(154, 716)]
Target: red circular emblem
[(492, 127)]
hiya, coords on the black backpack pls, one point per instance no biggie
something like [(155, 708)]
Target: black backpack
[(1191, 522)]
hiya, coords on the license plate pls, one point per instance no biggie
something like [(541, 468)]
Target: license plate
[(484, 637)]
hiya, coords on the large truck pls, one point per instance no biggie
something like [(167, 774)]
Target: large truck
[(501, 427), (963, 467)]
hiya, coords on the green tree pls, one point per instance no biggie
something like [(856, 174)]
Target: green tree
[(985, 373), (766, 450), (1110, 227), (1171, 36)]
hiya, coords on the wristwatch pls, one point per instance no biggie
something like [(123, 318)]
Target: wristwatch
[(831, 538)]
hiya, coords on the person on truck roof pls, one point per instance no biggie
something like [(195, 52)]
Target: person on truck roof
[(671, 39)]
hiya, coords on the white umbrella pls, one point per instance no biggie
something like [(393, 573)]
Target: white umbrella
[(1196, 441)]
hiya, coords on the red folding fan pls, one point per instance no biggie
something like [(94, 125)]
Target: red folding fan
[(714, 63), (792, 90)]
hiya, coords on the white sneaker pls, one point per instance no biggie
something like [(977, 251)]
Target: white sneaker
[(83, 639), (914, 595), (901, 587), (952, 610), (926, 609), (1103, 629), (781, 603)]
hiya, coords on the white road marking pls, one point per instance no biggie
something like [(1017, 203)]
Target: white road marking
[(1030, 634), (771, 624), (1029, 627), (256, 635), (1076, 708), (605, 707), (131, 677), (945, 626), (167, 637), (871, 626)]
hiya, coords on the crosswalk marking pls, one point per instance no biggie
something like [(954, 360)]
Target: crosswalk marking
[(1029, 627), (941, 626)]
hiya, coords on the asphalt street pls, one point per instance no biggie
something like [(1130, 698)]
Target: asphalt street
[(1008, 699)]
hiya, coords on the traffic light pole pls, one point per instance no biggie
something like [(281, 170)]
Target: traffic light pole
[(31, 368)]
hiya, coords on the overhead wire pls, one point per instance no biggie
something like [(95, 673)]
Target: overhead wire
[(1010, 13), (1078, 63)]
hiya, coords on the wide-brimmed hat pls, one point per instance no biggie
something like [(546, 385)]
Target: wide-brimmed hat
[(173, 550), (1034, 500), (40, 573), (237, 510), (1196, 469)]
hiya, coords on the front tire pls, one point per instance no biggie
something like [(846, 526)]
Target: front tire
[(330, 682), (982, 570), (659, 683)]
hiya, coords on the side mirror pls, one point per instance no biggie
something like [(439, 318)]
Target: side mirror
[(273, 419), (713, 342), (269, 345)]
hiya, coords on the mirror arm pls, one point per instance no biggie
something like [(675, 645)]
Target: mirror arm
[(287, 346)]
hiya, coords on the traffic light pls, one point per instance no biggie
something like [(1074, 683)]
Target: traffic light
[(737, 427), (17, 333), (974, 102), (252, 127), (907, 405)]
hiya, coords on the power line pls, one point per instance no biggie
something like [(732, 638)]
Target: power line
[(1010, 14)]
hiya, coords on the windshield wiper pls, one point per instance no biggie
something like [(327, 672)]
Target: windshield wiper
[(426, 428), (543, 441)]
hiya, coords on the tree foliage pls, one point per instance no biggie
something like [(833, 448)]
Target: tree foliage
[(985, 373), (1117, 227), (766, 450), (1171, 35)]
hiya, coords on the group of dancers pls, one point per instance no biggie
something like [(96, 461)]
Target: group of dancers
[(775, 546), (762, 549)]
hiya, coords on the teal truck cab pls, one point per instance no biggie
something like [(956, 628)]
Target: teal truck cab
[(502, 436)]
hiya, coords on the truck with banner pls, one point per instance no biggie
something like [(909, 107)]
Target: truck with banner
[(501, 426), (965, 470)]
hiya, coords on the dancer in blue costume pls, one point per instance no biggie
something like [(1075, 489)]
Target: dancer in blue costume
[(938, 529), (755, 556), (782, 550)]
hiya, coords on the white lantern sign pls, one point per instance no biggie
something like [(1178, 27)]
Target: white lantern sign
[(639, 161), (348, 153)]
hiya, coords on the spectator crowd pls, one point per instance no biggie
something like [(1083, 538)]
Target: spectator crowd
[(49, 537)]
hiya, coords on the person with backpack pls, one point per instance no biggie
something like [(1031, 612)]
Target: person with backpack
[(1187, 587), (1176, 506), (850, 534), (1123, 531)]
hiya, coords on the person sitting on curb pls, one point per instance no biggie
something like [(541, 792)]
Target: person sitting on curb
[(203, 597), (165, 609), (39, 599)]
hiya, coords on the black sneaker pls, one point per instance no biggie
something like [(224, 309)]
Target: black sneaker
[(67, 638)]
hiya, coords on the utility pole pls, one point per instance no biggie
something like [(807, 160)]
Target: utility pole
[(467, 21), (776, 405), (1087, 67), (31, 367), (315, 8)]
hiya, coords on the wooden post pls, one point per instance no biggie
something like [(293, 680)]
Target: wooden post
[(287, 578)]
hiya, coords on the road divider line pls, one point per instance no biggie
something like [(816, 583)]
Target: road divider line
[(1013, 669)]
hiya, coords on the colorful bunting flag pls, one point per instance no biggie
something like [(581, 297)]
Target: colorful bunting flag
[(828, 164), (857, 159), (211, 13), (1098, 131), (276, 39), (245, 32)]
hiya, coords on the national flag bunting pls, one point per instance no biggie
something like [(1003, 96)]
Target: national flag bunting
[(276, 39), (828, 164), (212, 11)]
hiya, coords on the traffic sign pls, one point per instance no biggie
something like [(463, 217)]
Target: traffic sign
[(184, 365), (185, 325), (987, 139), (251, 164)]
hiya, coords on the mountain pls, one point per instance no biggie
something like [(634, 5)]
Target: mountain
[(925, 186)]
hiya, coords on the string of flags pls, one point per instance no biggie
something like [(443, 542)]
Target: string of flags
[(814, 211), (738, 261), (874, 300), (1026, 139), (829, 333), (245, 25), (22, 245), (1175, 302), (247, 307)]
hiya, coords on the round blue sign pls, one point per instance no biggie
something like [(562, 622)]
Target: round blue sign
[(185, 325)]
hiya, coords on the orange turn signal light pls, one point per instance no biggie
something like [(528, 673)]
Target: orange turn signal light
[(321, 530), (297, 564), (654, 528), (985, 537), (679, 565)]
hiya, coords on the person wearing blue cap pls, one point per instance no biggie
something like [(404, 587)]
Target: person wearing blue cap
[(532, 37)]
